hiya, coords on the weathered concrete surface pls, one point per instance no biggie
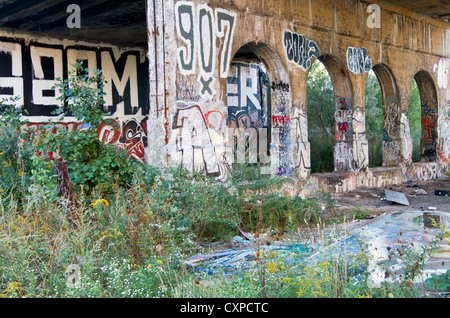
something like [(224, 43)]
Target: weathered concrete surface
[(339, 182), (286, 37), (121, 23)]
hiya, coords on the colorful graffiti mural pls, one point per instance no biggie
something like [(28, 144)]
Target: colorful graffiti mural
[(126, 75), (444, 132), (248, 111), (131, 135), (246, 108), (29, 70), (343, 118), (358, 60), (407, 142), (360, 143), (442, 71), (429, 132), (301, 146), (299, 49), (199, 27), (200, 139)]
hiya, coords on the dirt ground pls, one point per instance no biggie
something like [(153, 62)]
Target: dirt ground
[(420, 194)]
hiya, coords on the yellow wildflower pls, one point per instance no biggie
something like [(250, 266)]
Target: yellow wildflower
[(272, 267), (102, 201)]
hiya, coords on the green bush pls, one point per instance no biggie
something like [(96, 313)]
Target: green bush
[(15, 152), (90, 162)]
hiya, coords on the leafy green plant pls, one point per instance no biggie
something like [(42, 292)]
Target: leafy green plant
[(90, 162), (15, 152), (415, 120), (440, 282), (360, 214)]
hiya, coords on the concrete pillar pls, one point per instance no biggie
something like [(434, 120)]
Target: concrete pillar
[(406, 149), (301, 149), (360, 143), (391, 116), (162, 75)]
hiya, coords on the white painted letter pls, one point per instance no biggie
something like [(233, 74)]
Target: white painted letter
[(74, 20), (374, 20)]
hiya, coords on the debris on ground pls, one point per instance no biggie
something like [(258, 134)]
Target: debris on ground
[(226, 258), (372, 199), (384, 237), (396, 197)]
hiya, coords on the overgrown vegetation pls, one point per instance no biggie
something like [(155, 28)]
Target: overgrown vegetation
[(132, 225)]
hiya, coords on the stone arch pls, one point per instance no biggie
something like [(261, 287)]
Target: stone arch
[(258, 88), (392, 141), (429, 114), (344, 158)]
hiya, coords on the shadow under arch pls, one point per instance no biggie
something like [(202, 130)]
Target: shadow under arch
[(392, 139), (429, 115), (259, 106)]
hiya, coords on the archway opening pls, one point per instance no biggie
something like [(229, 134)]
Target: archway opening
[(391, 139), (345, 156), (415, 121), (321, 120), (429, 116), (374, 119), (250, 87)]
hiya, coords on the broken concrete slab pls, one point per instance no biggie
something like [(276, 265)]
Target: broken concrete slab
[(396, 197), (420, 191), (430, 219)]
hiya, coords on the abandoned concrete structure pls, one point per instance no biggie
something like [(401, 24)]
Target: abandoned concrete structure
[(201, 83)]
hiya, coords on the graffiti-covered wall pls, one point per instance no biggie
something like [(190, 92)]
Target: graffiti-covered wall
[(30, 67), (223, 84)]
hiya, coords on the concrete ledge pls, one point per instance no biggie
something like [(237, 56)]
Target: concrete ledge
[(340, 182)]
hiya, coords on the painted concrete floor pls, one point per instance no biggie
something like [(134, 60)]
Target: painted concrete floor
[(383, 236)]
